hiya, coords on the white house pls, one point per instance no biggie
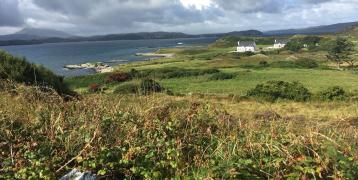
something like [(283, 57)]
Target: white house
[(280, 43), (246, 46)]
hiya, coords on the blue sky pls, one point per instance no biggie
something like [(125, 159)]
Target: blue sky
[(89, 17)]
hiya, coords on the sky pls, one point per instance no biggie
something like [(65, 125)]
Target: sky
[(92, 17)]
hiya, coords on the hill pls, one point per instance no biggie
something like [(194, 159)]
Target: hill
[(34, 38), (35, 34), (334, 28), (352, 31)]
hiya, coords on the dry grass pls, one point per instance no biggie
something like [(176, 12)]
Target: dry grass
[(159, 136)]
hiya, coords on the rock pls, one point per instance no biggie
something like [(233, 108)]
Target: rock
[(77, 175)]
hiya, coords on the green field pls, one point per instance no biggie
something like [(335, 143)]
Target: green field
[(246, 69)]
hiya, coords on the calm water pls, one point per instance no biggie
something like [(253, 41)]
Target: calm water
[(56, 56)]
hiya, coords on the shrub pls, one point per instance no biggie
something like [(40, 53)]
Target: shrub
[(294, 46), (306, 63), (301, 63), (94, 87), (247, 53), (119, 77), (333, 93), (19, 70), (263, 63), (127, 88), (274, 90), (148, 86), (221, 76), (168, 73)]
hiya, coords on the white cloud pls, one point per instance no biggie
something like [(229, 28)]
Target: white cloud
[(86, 17), (198, 4)]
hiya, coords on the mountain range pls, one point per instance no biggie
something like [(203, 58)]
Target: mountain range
[(38, 36), (333, 28)]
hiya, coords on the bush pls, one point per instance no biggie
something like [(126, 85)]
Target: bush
[(333, 93), (301, 63), (274, 90), (19, 70), (263, 63), (306, 63), (247, 53), (127, 88), (294, 46), (148, 86), (221, 76), (168, 73), (94, 87), (119, 77)]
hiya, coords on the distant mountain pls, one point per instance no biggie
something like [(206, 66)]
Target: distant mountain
[(138, 36), (35, 34), (38, 37), (351, 31), (44, 33), (334, 28), (235, 33)]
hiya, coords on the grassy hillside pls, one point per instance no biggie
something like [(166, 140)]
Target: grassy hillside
[(160, 136), (246, 70), (204, 114)]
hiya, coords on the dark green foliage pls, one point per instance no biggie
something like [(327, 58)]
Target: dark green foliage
[(148, 86), (127, 88), (19, 70), (263, 63), (333, 93), (274, 90), (294, 46), (341, 52), (168, 73), (306, 63), (247, 53), (310, 42), (222, 76)]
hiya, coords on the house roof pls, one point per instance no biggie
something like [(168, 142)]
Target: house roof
[(282, 41), (247, 43)]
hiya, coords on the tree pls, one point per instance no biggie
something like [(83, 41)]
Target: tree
[(341, 52), (294, 46)]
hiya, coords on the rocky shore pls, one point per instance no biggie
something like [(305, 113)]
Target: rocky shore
[(99, 67)]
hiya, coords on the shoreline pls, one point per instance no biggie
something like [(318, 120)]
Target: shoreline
[(101, 67)]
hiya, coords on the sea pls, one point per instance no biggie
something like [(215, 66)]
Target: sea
[(55, 56)]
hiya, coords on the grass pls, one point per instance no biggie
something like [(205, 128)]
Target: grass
[(206, 130), (161, 136)]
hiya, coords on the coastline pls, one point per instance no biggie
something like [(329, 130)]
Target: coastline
[(101, 67)]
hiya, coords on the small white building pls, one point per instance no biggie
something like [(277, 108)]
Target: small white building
[(280, 43), (246, 46)]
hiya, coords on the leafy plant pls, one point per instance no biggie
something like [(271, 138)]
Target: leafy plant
[(19, 70), (274, 90), (333, 93), (148, 86)]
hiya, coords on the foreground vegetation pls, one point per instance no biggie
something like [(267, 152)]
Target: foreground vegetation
[(208, 113), (159, 136)]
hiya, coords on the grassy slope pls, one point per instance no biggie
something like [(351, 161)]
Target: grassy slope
[(247, 77), (161, 136)]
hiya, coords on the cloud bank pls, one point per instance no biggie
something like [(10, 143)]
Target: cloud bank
[(88, 17)]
